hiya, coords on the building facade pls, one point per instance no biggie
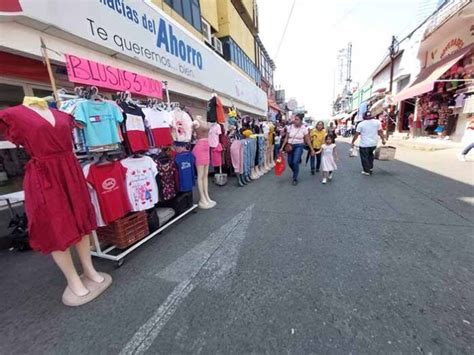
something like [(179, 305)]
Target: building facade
[(230, 28)]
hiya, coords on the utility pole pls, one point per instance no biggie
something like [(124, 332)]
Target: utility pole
[(393, 53)]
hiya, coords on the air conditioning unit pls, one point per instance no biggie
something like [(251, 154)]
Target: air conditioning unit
[(217, 44), (206, 31)]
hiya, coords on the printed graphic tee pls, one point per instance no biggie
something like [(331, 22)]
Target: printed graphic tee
[(135, 127), (108, 181), (141, 182), (159, 123), (99, 119), (182, 126), (214, 132), (185, 165)]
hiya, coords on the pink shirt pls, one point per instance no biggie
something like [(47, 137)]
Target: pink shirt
[(296, 134), (214, 132)]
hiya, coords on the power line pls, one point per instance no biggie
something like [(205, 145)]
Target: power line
[(286, 27), (347, 13)]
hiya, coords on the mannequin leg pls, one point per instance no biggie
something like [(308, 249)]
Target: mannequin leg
[(203, 203), (206, 187), (84, 251), (64, 261)]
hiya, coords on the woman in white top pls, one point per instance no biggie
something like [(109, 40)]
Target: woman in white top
[(297, 135)]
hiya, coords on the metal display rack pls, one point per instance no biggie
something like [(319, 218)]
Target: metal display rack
[(110, 252)]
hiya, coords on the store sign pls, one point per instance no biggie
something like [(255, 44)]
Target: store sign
[(140, 30), (85, 71)]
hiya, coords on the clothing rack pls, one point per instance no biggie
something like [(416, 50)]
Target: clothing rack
[(110, 252)]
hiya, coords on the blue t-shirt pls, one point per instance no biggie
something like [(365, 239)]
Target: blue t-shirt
[(185, 164), (100, 122)]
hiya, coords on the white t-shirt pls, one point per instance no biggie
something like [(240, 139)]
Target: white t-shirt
[(141, 184), (182, 126), (296, 134), (369, 132)]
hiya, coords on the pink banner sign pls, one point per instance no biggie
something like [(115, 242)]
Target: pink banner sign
[(85, 71)]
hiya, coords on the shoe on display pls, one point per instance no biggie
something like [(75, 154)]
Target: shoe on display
[(95, 290)]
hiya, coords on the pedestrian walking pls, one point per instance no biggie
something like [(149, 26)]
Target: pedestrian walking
[(469, 133), (293, 145), (331, 132), (329, 157), (317, 140), (369, 131)]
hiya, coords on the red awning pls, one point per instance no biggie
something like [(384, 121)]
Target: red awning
[(426, 79), (13, 65)]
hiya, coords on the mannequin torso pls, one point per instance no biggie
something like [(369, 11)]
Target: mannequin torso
[(46, 114), (201, 128)]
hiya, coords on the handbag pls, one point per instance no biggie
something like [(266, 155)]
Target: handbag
[(353, 152), (280, 165)]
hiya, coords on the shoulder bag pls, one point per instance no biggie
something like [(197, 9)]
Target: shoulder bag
[(288, 148)]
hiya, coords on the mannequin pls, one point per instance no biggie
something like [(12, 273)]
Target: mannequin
[(53, 227), (201, 152)]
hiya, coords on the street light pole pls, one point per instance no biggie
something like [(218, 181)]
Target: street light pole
[(393, 52)]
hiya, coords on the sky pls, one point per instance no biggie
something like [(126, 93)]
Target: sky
[(317, 29)]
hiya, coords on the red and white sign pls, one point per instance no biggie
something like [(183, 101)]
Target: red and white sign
[(85, 71)]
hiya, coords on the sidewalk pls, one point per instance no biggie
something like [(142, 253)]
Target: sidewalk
[(423, 143)]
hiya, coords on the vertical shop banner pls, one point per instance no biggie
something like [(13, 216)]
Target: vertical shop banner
[(88, 72), (142, 32)]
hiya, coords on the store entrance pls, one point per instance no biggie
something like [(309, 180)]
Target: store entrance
[(406, 109)]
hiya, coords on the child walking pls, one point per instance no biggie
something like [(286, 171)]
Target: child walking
[(328, 158)]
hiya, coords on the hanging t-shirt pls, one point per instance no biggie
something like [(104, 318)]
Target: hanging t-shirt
[(166, 179), (135, 127), (159, 123), (99, 119), (182, 126), (214, 132), (94, 199), (108, 180), (141, 183), (185, 165)]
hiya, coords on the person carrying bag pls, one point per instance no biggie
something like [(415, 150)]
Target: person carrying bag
[(293, 145)]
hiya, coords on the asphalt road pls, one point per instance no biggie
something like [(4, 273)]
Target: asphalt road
[(380, 264)]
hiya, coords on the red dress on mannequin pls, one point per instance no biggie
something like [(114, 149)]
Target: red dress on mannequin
[(57, 201)]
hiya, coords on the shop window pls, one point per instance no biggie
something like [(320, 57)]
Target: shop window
[(187, 13), (196, 11), (42, 92), (190, 10), (11, 95)]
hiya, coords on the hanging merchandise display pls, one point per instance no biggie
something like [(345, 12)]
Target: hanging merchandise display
[(100, 119), (134, 128), (215, 110), (182, 126), (141, 182), (158, 121), (108, 181)]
